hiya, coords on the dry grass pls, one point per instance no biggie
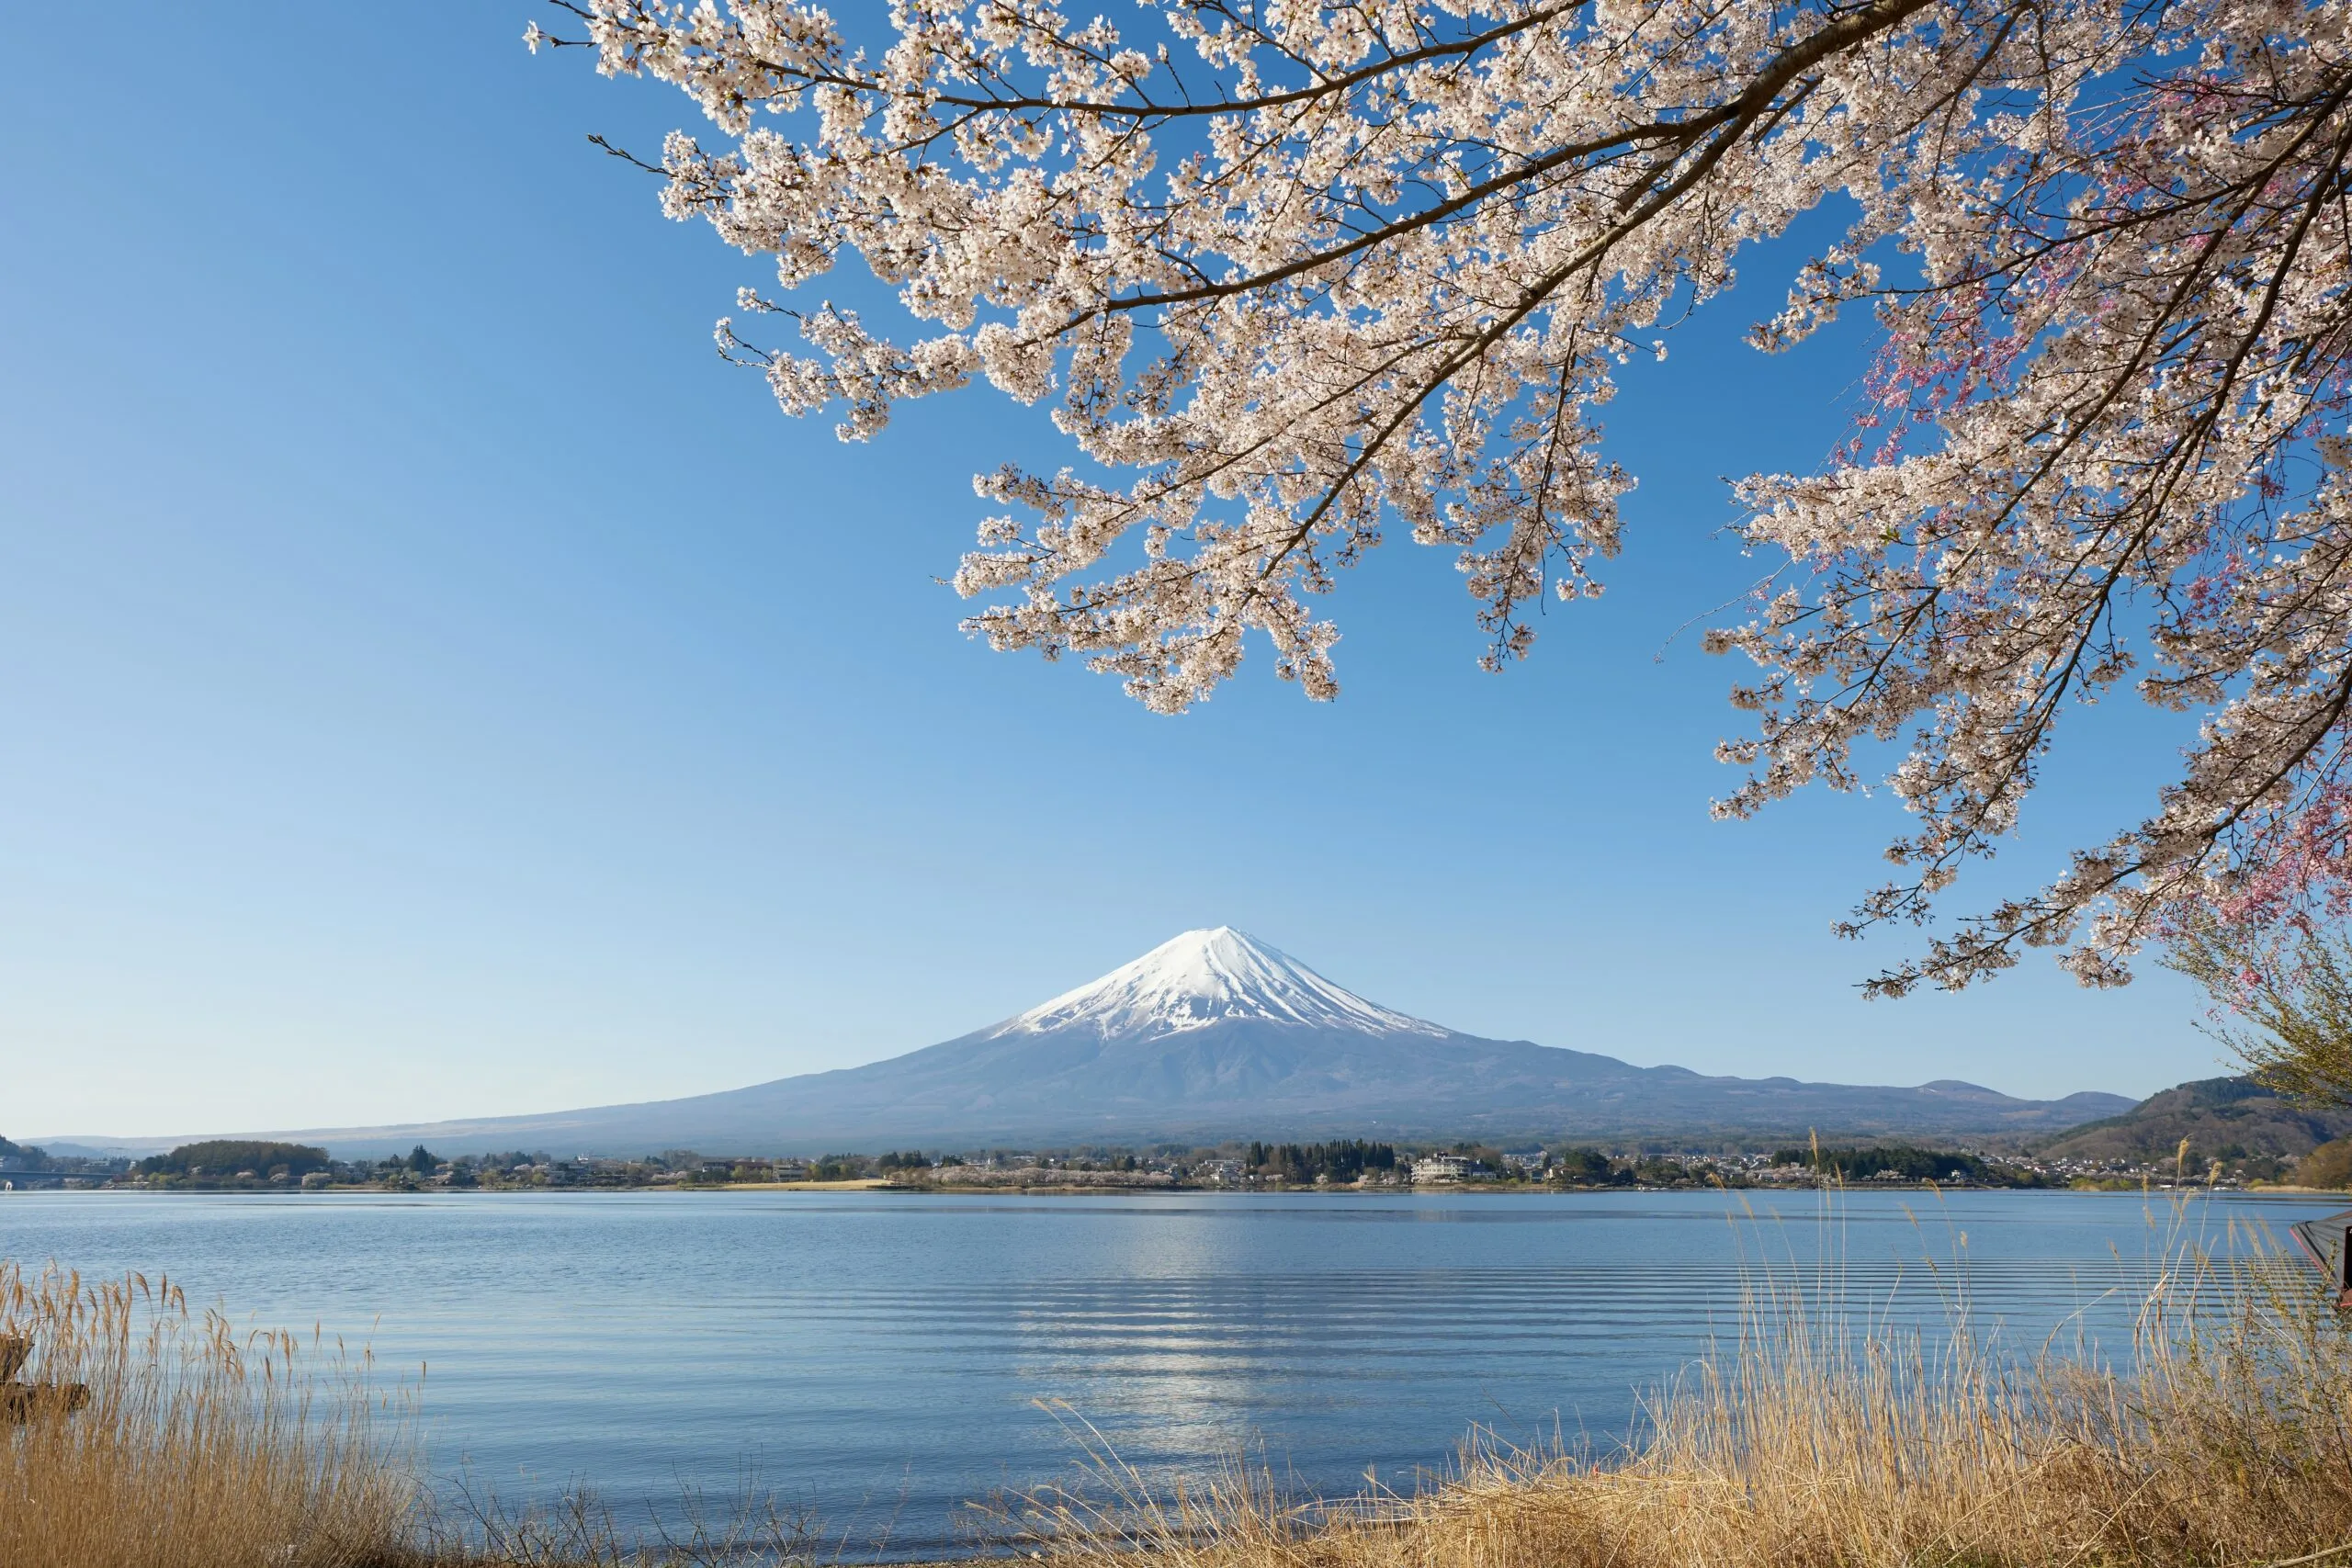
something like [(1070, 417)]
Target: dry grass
[(197, 1447), (136, 1434), (745, 1529), (2221, 1439)]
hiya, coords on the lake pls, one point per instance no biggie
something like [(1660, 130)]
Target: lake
[(882, 1358)]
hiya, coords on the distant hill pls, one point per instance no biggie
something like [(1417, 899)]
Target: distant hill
[(1215, 1035), (2231, 1119)]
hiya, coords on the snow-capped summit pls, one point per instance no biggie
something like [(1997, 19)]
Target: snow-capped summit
[(1204, 977)]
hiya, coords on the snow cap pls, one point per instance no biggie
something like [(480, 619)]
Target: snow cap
[(1211, 976)]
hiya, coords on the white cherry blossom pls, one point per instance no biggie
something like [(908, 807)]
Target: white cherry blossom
[(1294, 274)]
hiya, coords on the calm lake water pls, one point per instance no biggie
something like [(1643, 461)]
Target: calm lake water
[(882, 1358)]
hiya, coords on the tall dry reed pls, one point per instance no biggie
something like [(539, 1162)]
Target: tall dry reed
[(578, 1528), (197, 1446), (1824, 1439)]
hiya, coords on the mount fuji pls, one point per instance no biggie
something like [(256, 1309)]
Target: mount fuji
[(1216, 1034)]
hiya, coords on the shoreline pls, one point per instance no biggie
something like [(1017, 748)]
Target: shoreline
[(1097, 1190)]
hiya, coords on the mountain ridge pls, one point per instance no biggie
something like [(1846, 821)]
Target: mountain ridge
[(1216, 1034)]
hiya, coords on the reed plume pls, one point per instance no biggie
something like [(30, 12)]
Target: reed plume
[(193, 1446)]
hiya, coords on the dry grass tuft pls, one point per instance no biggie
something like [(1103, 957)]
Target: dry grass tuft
[(579, 1529), (2221, 1439), (196, 1446), (135, 1434)]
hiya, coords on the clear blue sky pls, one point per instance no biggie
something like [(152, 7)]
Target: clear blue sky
[(431, 683)]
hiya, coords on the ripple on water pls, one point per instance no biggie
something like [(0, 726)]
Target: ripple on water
[(883, 1358)]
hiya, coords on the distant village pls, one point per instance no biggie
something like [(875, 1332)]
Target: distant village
[(1345, 1165)]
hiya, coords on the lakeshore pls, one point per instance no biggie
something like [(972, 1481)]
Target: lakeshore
[(878, 1356), (1355, 1164), (917, 1377)]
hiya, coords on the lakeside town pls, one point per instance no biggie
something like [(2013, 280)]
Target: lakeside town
[(1342, 1164)]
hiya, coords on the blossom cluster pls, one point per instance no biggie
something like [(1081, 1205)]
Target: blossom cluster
[(1292, 273)]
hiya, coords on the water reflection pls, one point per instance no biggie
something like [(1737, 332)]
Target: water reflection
[(881, 1356)]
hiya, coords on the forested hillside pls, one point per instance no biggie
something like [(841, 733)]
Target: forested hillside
[(2233, 1120)]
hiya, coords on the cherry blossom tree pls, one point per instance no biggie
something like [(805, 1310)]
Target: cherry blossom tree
[(2284, 1008), (1294, 273)]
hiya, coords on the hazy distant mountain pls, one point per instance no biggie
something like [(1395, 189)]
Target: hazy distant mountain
[(2225, 1119), (1212, 1035)]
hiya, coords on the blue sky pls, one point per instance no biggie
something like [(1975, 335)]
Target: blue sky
[(434, 684)]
